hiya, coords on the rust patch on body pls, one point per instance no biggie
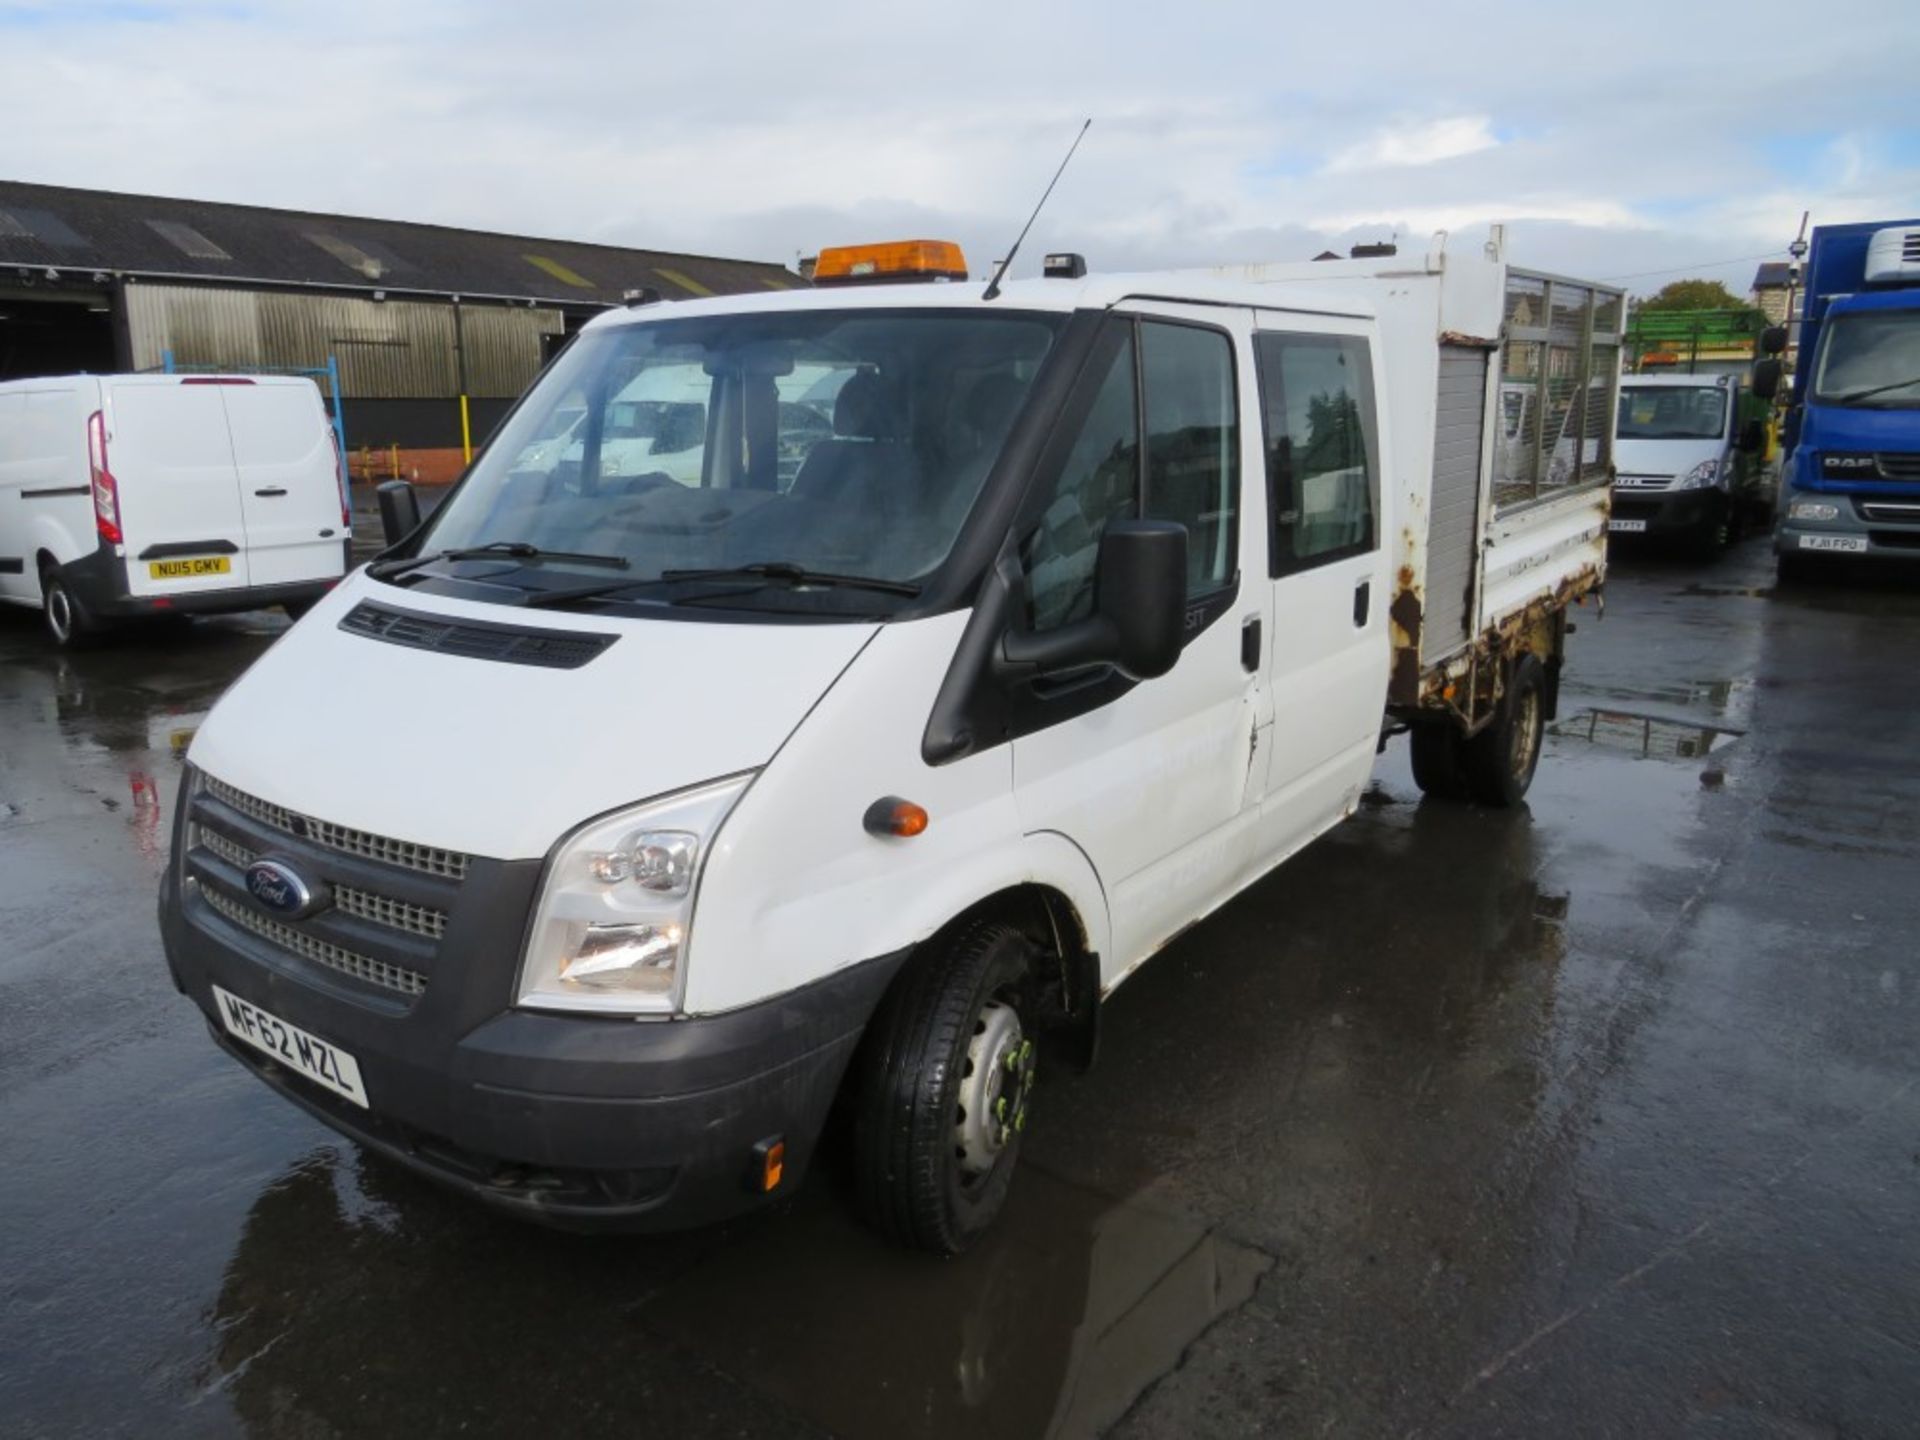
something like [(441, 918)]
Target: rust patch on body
[(1404, 618)]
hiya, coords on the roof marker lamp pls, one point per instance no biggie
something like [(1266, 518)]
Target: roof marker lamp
[(611, 931)]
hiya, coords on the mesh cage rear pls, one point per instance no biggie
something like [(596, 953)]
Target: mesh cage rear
[(1559, 385)]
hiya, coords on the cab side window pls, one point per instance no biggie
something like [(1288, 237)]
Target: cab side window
[(1316, 395), (1098, 482), (1187, 471)]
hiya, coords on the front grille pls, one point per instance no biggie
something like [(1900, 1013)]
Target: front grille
[(311, 947), (1896, 539), (1636, 507), (1900, 467), (380, 909), (1889, 512), (475, 639), (1642, 482), (404, 853)]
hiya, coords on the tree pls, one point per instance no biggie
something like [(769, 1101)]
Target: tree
[(1691, 295)]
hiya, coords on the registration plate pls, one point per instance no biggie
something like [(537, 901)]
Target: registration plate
[(293, 1047), (190, 569), (1627, 527), (1850, 544)]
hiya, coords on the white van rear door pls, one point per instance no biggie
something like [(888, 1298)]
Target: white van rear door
[(289, 486), (168, 450)]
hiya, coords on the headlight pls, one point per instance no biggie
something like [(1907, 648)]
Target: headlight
[(1701, 477), (1812, 510), (610, 932)]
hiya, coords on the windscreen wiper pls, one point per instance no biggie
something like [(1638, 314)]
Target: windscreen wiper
[(776, 570), (1847, 397), (508, 549)]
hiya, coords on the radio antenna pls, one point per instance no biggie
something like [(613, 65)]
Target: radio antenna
[(993, 285)]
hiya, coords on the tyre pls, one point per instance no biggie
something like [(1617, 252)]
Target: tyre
[(1792, 570), (1501, 759), (1715, 533), (1437, 761), (945, 1085), (68, 623)]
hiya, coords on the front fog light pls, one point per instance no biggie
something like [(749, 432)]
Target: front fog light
[(611, 931), (636, 958), (1812, 510)]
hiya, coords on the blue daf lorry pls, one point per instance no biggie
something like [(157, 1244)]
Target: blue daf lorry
[(1850, 483)]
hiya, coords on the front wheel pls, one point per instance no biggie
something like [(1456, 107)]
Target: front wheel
[(1501, 759), (945, 1090)]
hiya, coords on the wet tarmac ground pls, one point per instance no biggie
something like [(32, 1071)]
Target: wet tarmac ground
[(1598, 1118)]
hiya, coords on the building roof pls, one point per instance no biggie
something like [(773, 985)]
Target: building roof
[(44, 226), (1774, 275)]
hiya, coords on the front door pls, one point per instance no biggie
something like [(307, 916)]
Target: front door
[(1151, 780), (1329, 583)]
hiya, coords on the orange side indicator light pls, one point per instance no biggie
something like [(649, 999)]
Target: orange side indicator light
[(892, 816), (769, 1164), (894, 260)]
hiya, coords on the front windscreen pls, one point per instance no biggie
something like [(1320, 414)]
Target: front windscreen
[(1672, 412), (853, 442), (1872, 360)]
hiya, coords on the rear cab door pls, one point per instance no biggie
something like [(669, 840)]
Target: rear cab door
[(1325, 567), (288, 477), (172, 463)]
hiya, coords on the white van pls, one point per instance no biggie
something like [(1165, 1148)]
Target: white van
[(846, 779), (129, 496), (1689, 464)]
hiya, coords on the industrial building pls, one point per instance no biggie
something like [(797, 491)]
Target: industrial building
[(426, 333)]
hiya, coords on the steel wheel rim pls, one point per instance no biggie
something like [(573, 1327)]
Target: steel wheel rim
[(59, 613), (996, 1086), (1526, 733)]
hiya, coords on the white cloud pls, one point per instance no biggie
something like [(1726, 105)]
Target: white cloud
[(1229, 132), (1421, 142)]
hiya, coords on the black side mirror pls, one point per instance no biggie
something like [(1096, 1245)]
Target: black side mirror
[(1773, 340), (1139, 608), (1765, 384), (1753, 437), (399, 510)]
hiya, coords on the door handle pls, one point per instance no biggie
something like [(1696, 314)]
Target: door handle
[(1362, 603), (1250, 644), (271, 492)]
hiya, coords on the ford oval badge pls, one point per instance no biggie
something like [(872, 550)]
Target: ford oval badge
[(278, 887)]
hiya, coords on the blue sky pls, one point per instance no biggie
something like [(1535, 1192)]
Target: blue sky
[(1635, 140)]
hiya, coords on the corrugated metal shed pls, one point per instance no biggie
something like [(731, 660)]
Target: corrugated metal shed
[(395, 348), (98, 230)]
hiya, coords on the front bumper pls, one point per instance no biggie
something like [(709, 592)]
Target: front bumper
[(584, 1122), (1865, 528), (1673, 512)]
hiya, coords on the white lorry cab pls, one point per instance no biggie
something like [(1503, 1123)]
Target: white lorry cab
[(1687, 462), (135, 496), (846, 776)]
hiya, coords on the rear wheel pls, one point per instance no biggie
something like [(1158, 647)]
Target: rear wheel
[(67, 620), (945, 1087), (1437, 761), (1501, 759)]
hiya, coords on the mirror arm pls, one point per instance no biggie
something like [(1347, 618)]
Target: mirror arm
[(1085, 642)]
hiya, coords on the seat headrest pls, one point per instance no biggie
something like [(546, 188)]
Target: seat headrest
[(866, 409)]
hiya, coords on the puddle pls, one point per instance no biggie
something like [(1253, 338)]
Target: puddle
[(1053, 1327), (1646, 737)]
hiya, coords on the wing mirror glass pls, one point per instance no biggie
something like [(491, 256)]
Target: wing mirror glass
[(1766, 379)]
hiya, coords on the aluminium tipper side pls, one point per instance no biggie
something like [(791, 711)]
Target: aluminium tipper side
[(1502, 386)]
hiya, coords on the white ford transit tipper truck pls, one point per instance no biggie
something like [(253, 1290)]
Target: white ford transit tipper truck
[(847, 779)]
